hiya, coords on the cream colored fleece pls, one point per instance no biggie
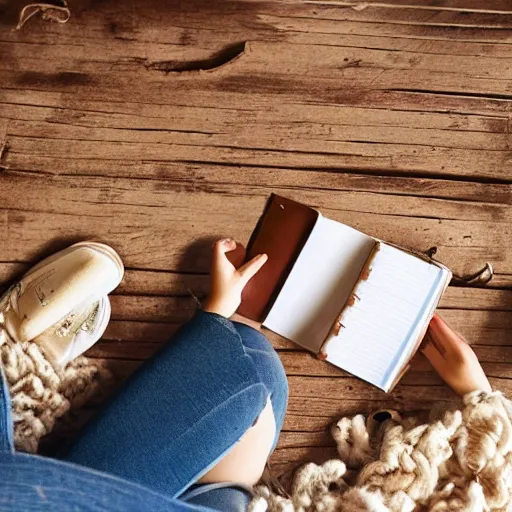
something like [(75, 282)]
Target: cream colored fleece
[(40, 393), (461, 462)]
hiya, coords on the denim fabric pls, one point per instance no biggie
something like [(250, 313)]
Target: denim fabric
[(221, 497), (30, 483), (175, 418), (269, 368), (185, 408), (6, 425), (37, 484)]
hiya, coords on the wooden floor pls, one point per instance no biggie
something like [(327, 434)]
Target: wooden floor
[(157, 126)]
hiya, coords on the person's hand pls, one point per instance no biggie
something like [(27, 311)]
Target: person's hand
[(227, 281), (453, 359)]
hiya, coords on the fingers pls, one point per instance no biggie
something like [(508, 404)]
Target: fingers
[(251, 268), (429, 341), (220, 248), (223, 262), (444, 336), (237, 256), (435, 358), (446, 329), (223, 246)]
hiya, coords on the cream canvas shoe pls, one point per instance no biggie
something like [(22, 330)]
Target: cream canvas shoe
[(61, 304)]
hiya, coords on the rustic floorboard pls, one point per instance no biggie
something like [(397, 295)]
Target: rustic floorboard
[(159, 126)]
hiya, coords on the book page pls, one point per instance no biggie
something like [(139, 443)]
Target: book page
[(381, 329), (319, 283)]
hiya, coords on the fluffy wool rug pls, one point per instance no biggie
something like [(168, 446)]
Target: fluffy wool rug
[(42, 394), (461, 461)]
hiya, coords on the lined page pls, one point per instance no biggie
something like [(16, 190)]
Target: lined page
[(382, 327), (319, 283)]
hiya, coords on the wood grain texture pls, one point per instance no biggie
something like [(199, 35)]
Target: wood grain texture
[(159, 127), (151, 223)]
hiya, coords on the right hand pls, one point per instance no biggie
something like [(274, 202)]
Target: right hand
[(227, 281)]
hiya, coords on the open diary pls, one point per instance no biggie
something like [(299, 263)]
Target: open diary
[(360, 303)]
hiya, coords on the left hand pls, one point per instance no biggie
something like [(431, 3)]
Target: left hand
[(227, 281), (453, 359)]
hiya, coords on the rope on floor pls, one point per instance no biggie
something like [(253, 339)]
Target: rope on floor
[(48, 12)]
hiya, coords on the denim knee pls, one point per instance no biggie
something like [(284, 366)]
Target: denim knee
[(269, 368), (180, 413)]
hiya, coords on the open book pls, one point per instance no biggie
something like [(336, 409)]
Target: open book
[(355, 301)]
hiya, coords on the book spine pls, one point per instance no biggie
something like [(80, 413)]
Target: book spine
[(336, 328)]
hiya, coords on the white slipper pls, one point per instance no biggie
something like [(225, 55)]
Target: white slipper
[(62, 303)]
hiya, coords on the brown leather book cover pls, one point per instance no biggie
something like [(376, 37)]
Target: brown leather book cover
[(280, 233)]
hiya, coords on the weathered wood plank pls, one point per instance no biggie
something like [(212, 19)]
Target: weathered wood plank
[(281, 152), (67, 108), (314, 414), (385, 147), (362, 68), (32, 112), (154, 228), (466, 6), (476, 298), (322, 125), (304, 439), (419, 14), (199, 176), (414, 38), (325, 387), (184, 24), (296, 455), (314, 63)]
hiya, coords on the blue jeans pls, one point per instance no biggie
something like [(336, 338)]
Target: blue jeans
[(179, 414)]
